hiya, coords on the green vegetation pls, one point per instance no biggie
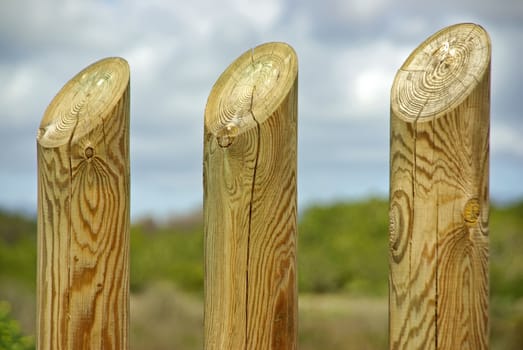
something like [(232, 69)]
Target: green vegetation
[(342, 255), (171, 252), (11, 337), (17, 249), (506, 252), (344, 248), (331, 257)]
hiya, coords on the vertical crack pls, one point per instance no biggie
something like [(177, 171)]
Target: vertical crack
[(413, 196), (437, 241), (70, 216), (413, 189), (258, 135)]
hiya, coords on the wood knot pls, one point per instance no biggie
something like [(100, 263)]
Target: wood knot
[(89, 152), (41, 132), (471, 211), (392, 228), (227, 134)]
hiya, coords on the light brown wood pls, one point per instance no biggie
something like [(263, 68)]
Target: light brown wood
[(250, 202), (439, 199), (83, 212)]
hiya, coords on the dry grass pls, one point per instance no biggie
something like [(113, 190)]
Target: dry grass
[(333, 322), (163, 317)]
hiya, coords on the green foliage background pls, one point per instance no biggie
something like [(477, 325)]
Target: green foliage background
[(11, 337), (342, 249), (167, 253)]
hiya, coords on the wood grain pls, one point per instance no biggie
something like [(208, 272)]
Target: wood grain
[(250, 202), (439, 201), (83, 212)]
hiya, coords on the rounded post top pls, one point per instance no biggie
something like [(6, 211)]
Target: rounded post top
[(441, 72), (250, 90), (84, 102)]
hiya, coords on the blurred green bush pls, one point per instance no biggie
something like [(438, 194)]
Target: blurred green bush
[(169, 252), (11, 337), (342, 247)]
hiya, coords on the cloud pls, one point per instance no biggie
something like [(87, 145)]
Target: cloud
[(348, 52), (506, 138), (16, 91)]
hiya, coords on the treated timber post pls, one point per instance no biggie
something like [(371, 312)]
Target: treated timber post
[(439, 199), (83, 212), (250, 202)]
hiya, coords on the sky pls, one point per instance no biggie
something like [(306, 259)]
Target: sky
[(348, 53)]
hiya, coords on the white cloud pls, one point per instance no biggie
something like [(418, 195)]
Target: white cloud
[(20, 93), (364, 76), (262, 14), (346, 12), (19, 86), (348, 52), (506, 139), (148, 60), (371, 88), (363, 10)]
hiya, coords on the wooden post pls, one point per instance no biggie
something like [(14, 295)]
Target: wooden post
[(250, 202), (83, 212), (439, 199)]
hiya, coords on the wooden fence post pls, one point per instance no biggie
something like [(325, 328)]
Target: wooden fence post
[(83, 212), (439, 199), (250, 202)]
